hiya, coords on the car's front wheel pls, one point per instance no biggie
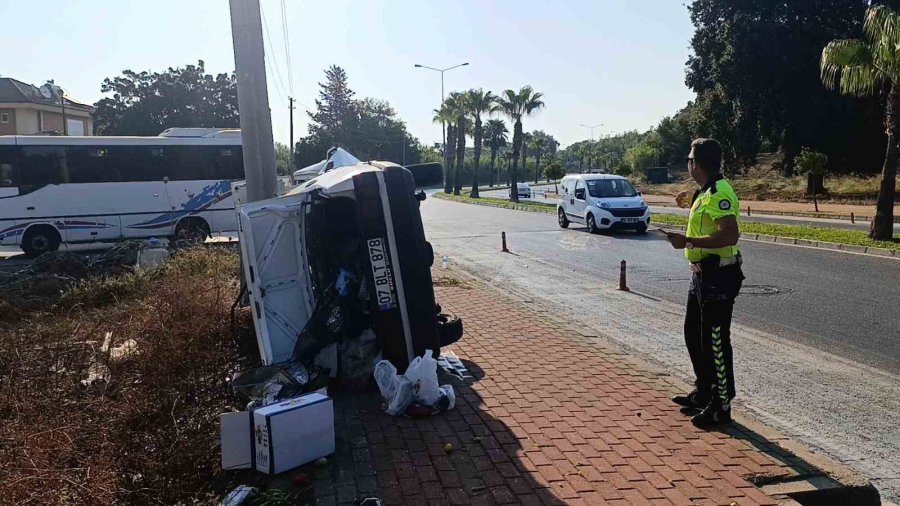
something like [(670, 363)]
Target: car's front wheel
[(563, 219), (592, 224)]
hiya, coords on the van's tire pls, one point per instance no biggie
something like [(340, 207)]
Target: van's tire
[(450, 328), (39, 240), (563, 219), (641, 228), (192, 231), (592, 224)]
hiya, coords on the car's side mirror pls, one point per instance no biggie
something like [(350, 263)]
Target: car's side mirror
[(579, 193), (639, 194)]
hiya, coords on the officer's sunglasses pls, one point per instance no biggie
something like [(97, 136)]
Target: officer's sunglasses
[(688, 159)]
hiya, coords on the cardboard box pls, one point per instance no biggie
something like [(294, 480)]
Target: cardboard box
[(279, 437)]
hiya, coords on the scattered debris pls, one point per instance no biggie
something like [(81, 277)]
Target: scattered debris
[(415, 393), (448, 447), (371, 501), (238, 496), (322, 462), (264, 385)]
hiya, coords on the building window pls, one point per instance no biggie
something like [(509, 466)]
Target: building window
[(4, 117)]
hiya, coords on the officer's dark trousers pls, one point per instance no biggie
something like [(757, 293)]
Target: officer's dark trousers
[(707, 330)]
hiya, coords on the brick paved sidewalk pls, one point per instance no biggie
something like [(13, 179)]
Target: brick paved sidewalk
[(551, 417)]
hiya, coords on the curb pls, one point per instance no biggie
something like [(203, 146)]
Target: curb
[(807, 243), (824, 481), (799, 214)]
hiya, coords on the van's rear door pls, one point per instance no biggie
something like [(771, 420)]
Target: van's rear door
[(277, 274)]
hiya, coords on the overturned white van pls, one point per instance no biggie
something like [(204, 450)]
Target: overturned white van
[(350, 238)]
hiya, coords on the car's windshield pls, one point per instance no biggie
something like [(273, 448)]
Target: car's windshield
[(610, 188)]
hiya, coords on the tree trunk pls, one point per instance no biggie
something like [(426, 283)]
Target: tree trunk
[(448, 158), (493, 161), (537, 166), (513, 176), (460, 153), (815, 184), (883, 224), (790, 150), (476, 135)]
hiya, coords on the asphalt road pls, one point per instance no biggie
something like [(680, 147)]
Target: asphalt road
[(816, 334), (756, 218)]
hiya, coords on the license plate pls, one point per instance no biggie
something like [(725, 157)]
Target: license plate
[(630, 220), (382, 274)]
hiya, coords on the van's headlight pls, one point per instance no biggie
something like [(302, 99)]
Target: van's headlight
[(604, 205)]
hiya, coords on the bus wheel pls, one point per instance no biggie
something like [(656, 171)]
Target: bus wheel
[(40, 240), (192, 231)]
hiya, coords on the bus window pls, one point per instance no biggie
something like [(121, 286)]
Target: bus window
[(90, 164), (40, 166), (7, 172)]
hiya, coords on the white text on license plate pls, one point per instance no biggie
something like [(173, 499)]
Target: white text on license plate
[(382, 275), (629, 220)]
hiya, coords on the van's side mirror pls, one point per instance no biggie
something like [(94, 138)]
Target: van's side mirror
[(579, 193)]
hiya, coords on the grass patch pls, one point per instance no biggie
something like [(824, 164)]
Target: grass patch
[(836, 235), (549, 207), (840, 236), (147, 434)]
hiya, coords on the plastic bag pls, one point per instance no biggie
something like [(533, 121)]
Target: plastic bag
[(422, 373), (327, 360), (396, 390), (448, 398), (358, 357)]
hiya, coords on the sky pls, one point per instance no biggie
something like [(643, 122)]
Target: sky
[(619, 63)]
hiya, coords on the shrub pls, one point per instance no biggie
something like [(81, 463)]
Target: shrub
[(623, 169)]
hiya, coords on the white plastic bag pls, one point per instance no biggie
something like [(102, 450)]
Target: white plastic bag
[(396, 390), (447, 391), (422, 373)]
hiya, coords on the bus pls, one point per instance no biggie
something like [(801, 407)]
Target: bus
[(67, 190)]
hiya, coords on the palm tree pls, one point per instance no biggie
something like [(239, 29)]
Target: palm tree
[(478, 102), (516, 105), (458, 104), (865, 67), (537, 145), (495, 138), (446, 116)]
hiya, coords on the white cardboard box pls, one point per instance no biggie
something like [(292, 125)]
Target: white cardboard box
[(279, 437)]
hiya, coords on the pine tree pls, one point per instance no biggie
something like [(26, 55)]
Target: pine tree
[(336, 115)]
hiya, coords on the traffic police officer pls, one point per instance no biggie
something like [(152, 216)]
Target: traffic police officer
[(710, 245)]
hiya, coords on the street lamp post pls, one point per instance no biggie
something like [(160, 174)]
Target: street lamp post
[(443, 97), (592, 127)]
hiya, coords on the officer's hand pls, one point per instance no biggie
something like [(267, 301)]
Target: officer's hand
[(683, 199), (677, 240)]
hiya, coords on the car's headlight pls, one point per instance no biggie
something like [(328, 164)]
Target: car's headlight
[(604, 205)]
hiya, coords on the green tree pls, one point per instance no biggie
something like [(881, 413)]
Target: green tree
[(862, 67), (478, 102), (814, 165), (368, 128), (283, 158), (145, 103), (641, 157), (447, 116), (541, 144), (554, 171), (495, 137), (517, 105), (457, 103), (754, 62)]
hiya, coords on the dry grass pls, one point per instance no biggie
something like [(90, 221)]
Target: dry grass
[(148, 434)]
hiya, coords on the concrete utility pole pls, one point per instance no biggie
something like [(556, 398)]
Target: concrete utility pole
[(253, 100)]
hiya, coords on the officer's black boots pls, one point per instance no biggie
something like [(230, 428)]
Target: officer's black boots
[(713, 415), (693, 400)]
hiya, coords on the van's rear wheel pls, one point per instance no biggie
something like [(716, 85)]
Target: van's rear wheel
[(592, 224), (40, 240), (563, 219)]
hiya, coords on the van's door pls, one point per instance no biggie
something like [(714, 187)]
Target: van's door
[(277, 273), (578, 201)]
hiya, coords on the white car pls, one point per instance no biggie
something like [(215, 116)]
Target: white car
[(524, 191), (602, 202)]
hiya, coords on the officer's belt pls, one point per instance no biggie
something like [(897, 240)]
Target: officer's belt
[(723, 262)]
